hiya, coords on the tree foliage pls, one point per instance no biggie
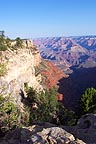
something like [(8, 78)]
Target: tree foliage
[(87, 103), (3, 70), (66, 117), (45, 104), (45, 107), (4, 43), (8, 114), (3, 46), (2, 40), (8, 42), (18, 42)]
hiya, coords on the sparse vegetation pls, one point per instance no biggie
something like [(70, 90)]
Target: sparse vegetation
[(3, 69), (2, 40), (45, 107), (2, 33), (8, 42), (8, 114), (41, 105), (87, 103), (3, 46), (18, 42), (66, 117), (5, 43)]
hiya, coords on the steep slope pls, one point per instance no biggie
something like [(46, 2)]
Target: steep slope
[(50, 73), (20, 68), (75, 85), (24, 65), (77, 54)]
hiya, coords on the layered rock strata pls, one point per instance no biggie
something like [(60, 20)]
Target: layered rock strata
[(20, 68)]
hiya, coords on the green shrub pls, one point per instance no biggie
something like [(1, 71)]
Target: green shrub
[(2, 40), (18, 42), (8, 42), (31, 95), (46, 103), (87, 103), (25, 116), (3, 70), (66, 117), (26, 87), (3, 47), (8, 114), (47, 108)]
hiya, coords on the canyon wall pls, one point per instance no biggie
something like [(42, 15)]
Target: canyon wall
[(20, 68)]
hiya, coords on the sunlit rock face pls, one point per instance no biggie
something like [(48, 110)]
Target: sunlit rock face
[(20, 67)]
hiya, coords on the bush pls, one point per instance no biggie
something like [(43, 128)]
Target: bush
[(8, 114), (45, 104), (2, 40), (47, 109), (66, 117), (25, 116), (3, 70), (8, 42), (87, 103), (18, 42), (3, 47)]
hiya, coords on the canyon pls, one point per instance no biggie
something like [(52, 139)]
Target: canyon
[(76, 56), (68, 62), (68, 51), (25, 65)]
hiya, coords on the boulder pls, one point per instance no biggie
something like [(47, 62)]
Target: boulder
[(85, 128), (38, 134)]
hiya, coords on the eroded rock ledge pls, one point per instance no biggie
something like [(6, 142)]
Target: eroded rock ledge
[(40, 134)]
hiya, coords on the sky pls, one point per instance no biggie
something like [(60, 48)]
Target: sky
[(47, 18)]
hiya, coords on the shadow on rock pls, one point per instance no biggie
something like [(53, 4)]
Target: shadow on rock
[(75, 85)]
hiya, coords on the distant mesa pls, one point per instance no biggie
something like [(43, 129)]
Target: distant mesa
[(68, 51)]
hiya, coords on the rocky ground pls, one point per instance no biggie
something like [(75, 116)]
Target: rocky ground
[(40, 134), (46, 133)]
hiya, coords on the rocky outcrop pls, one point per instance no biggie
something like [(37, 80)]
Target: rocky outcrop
[(20, 67), (25, 43), (46, 133), (40, 134), (85, 128), (43, 133), (24, 65)]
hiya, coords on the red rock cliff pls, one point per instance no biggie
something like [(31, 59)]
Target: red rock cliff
[(53, 74)]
